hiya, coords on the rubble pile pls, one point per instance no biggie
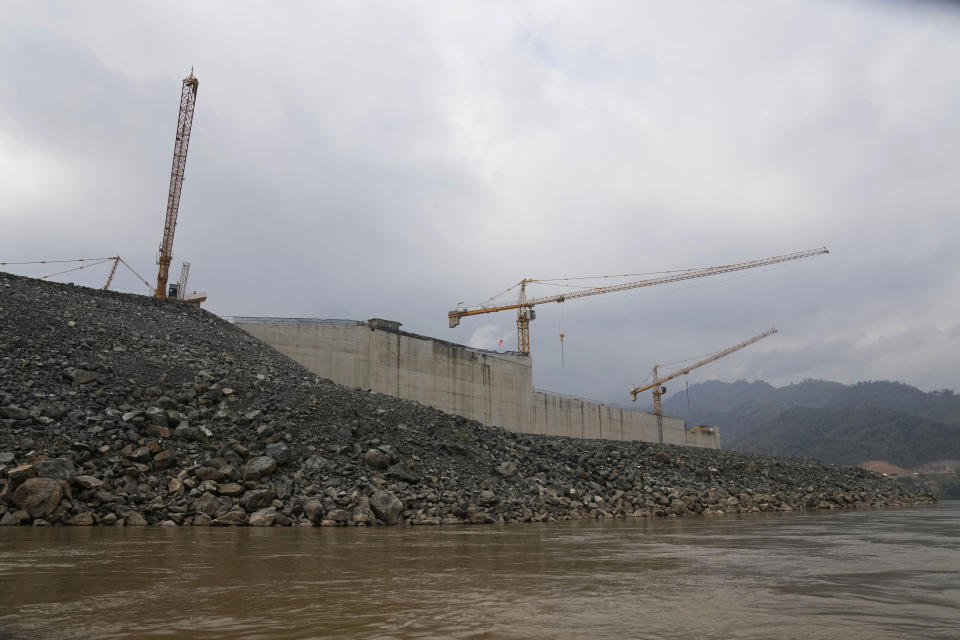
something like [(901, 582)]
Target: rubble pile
[(118, 409)]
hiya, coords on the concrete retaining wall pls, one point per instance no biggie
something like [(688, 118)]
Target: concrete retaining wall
[(561, 415), (491, 387)]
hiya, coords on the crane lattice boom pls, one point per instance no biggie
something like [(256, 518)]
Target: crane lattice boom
[(188, 99), (182, 283), (523, 305)]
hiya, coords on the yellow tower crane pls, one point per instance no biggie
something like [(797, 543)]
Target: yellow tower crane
[(526, 312), (659, 389)]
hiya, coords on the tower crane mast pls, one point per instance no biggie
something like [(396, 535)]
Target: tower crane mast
[(188, 100), (526, 313)]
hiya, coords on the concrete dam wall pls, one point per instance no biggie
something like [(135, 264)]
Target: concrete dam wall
[(491, 387)]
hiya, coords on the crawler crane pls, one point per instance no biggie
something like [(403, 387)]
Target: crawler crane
[(188, 100)]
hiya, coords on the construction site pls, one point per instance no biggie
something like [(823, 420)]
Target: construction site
[(493, 387), (147, 409)]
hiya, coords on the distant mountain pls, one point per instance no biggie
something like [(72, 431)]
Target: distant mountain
[(845, 424)]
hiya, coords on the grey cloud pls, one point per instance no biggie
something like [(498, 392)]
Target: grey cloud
[(379, 160)]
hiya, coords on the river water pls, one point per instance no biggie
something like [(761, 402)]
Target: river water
[(868, 574)]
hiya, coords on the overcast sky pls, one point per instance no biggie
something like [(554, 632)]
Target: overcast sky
[(391, 159)]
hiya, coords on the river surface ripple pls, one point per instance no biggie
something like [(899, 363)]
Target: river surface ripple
[(869, 574)]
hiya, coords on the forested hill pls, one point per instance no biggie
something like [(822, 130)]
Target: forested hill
[(839, 423)]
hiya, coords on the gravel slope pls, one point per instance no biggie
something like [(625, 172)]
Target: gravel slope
[(120, 409)]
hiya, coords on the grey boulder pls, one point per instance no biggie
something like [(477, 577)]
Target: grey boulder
[(38, 496), (386, 506), (259, 467)]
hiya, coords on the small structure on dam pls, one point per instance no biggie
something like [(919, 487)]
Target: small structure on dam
[(495, 388)]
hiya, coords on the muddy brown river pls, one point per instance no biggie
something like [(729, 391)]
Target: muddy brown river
[(870, 574)]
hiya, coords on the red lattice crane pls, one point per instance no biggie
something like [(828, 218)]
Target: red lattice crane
[(526, 313), (188, 99)]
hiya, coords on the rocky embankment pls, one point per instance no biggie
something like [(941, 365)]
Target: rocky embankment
[(123, 410)]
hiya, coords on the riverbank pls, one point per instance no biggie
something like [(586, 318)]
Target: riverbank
[(124, 410)]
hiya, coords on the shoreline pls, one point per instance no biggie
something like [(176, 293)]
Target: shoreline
[(701, 517)]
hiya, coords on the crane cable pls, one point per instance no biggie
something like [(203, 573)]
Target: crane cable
[(620, 294), (644, 381), (700, 357), (94, 262), (83, 266), (54, 261), (621, 275), (562, 324), (149, 286), (494, 297)]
